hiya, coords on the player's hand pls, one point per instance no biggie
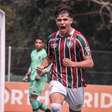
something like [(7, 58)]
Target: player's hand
[(25, 79), (67, 62), (37, 77), (40, 70)]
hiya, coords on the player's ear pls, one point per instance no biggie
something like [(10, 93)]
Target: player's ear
[(43, 45), (71, 20)]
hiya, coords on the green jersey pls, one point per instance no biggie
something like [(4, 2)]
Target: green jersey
[(37, 58), (36, 86)]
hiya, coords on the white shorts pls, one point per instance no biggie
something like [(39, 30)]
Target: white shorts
[(74, 96), (56, 86)]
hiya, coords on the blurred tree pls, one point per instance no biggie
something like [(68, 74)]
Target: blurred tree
[(27, 18)]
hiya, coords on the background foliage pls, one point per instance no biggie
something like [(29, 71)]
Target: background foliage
[(27, 18)]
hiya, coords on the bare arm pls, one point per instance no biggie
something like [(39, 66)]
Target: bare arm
[(45, 63), (27, 74), (29, 71)]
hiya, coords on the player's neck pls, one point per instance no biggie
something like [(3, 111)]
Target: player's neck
[(39, 49), (67, 33)]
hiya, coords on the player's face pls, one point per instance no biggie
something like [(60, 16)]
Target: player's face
[(64, 22), (39, 44)]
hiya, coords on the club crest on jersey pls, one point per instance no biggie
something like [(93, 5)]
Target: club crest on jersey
[(69, 43), (39, 57), (54, 45)]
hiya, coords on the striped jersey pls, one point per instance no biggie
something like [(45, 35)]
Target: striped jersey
[(74, 47)]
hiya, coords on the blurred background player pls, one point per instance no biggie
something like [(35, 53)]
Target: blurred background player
[(37, 83)]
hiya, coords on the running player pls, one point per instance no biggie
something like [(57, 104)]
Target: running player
[(37, 83), (70, 54)]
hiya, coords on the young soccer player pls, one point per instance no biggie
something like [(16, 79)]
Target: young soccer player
[(37, 83), (70, 54)]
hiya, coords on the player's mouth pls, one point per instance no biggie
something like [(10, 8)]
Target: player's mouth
[(63, 30), (62, 27)]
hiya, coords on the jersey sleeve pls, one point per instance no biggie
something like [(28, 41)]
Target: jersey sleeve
[(49, 49), (83, 45)]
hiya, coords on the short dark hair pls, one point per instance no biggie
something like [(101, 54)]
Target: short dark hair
[(38, 37), (62, 8)]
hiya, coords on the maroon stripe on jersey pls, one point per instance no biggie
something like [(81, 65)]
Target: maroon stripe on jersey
[(73, 57), (80, 46), (63, 68), (78, 43), (81, 50), (54, 74), (54, 68)]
